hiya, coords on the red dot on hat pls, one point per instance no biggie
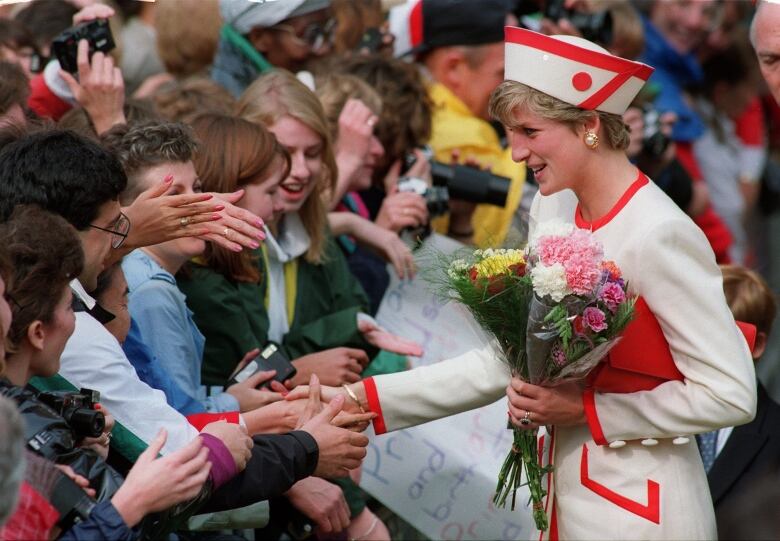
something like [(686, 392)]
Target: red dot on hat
[(582, 81)]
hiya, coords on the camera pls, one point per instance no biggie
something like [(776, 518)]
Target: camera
[(78, 410), (270, 358), (454, 181), (593, 26), (654, 142), (437, 198), (65, 46)]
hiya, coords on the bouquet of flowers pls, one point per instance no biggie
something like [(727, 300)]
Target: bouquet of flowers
[(556, 309)]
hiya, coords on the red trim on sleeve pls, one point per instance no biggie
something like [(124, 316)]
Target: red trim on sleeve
[(44, 102), (200, 420), (582, 223), (651, 511), (373, 405), (589, 403)]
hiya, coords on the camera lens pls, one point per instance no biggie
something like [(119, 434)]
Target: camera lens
[(87, 423)]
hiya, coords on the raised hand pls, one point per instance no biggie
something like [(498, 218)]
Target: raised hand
[(380, 338), (155, 484)]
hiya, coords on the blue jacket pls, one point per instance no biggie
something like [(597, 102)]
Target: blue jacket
[(673, 74)]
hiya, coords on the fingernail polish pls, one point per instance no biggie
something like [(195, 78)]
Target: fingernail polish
[(168, 179), (220, 207), (259, 223), (215, 217), (254, 244)]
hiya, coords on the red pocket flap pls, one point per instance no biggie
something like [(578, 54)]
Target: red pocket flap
[(644, 348)]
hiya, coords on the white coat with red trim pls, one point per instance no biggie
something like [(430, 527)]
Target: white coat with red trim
[(633, 491)]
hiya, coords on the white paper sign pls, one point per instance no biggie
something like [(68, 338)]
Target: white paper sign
[(441, 476)]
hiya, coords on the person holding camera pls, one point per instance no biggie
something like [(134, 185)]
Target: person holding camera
[(459, 43)]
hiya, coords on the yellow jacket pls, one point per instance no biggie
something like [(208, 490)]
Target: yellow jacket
[(455, 127)]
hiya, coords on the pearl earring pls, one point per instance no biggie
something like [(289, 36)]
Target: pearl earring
[(591, 139)]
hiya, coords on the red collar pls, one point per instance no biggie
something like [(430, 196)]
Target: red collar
[(582, 223)]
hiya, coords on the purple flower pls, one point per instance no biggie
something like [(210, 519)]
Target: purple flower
[(558, 355), (612, 295), (594, 319)]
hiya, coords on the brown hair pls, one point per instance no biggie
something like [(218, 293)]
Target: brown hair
[(182, 101), (336, 89), (145, 145), (749, 297), (277, 94), (187, 35), (45, 255), (77, 119), (405, 122), (511, 95), (14, 87), (234, 152)]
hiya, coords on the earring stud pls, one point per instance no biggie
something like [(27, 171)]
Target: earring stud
[(591, 139)]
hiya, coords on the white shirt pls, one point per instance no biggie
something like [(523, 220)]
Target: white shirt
[(94, 359)]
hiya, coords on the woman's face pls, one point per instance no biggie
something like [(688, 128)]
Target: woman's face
[(5, 318), (551, 149), (185, 182), (305, 148), (114, 299), (56, 335), (262, 197)]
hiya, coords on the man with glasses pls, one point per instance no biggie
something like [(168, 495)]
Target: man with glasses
[(260, 35)]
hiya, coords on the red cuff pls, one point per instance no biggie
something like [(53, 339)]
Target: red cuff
[(589, 403), (200, 420), (44, 102), (373, 405)]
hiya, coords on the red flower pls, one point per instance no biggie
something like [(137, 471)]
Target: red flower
[(518, 269), (613, 269), (495, 285)]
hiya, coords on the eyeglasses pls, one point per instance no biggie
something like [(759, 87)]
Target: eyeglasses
[(314, 35), (120, 230)]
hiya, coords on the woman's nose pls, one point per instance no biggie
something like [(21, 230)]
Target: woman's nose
[(298, 168)]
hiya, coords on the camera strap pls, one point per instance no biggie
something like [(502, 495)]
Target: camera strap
[(242, 44)]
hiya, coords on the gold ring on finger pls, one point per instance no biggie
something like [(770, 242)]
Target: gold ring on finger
[(226, 232), (526, 420), (184, 221)]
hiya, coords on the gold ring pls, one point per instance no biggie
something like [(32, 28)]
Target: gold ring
[(526, 420), (184, 221), (226, 232)]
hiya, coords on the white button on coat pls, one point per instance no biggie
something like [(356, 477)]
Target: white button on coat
[(617, 444), (649, 442)]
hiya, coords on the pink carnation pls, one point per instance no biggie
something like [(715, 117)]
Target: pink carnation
[(579, 253), (558, 355), (612, 295), (594, 319)]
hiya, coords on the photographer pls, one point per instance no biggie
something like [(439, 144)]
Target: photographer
[(461, 47), (44, 254)]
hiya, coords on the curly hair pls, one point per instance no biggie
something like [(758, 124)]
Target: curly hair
[(183, 101), (146, 144), (45, 255)]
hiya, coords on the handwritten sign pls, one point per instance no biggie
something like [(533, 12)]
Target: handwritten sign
[(440, 476)]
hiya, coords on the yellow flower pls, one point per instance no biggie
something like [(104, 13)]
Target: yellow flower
[(499, 262)]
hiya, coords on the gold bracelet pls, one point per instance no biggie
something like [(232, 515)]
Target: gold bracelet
[(353, 396)]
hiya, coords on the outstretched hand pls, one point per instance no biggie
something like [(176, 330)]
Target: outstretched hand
[(380, 338)]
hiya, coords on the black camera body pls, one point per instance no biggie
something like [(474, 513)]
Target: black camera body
[(593, 26), (78, 410), (270, 358), (65, 46), (654, 142)]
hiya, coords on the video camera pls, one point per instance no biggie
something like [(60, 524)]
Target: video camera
[(65, 46), (654, 141), (593, 26), (78, 410)]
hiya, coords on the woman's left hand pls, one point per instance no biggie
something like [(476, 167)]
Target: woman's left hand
[(560, 405)]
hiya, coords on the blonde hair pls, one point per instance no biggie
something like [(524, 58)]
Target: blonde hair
[(511, 95), (749, 297), (336, 89), (277, 94)]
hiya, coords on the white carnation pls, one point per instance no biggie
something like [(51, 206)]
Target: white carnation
[(457, 268), (556, 228), (550, 281)]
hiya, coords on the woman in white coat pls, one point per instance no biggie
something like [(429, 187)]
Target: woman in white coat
[(623, 468)]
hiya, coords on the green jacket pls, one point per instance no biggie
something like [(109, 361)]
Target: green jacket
[(233, 318)]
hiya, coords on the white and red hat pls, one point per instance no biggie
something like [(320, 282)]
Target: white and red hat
[(573, 70)]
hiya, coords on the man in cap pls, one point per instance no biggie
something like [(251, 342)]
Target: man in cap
[(460, 43), (260, 35)]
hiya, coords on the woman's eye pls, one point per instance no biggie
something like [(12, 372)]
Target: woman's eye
[(529, 131)]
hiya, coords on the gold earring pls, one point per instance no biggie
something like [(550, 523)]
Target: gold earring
[(591, 139)]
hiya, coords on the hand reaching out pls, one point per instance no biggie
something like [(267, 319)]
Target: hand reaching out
[(235, 439), (333, 366), (380, 338)]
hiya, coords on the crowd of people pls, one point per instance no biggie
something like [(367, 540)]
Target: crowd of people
[(198, 226)]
